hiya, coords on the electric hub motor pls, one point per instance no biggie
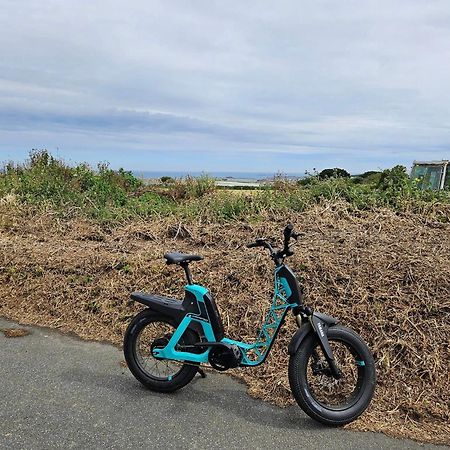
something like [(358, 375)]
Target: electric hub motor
[(224, 356)]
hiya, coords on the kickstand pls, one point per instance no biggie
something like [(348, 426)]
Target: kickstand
[(201, 372)]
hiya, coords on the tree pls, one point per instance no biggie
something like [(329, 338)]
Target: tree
[(333, 173)]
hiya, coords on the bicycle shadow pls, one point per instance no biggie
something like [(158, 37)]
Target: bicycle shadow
[(216, 393)]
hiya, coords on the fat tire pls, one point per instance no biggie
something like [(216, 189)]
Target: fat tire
[(305, 398), (187, 371)]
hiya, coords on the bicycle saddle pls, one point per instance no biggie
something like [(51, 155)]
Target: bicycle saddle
[(177, 258)]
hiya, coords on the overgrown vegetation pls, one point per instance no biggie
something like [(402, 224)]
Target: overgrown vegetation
[(105, 194), (384, 274), (46, 180), (74, 242)]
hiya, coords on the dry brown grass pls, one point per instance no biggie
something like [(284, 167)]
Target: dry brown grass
[(387, 275)]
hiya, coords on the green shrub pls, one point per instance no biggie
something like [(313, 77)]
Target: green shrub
[(109, 195), (166, 180), (44, 179), (372, 176)]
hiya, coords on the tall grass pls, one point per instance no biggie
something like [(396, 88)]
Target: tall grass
[(106, 194)]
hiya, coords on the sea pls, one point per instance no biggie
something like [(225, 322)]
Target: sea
[(154, 174)]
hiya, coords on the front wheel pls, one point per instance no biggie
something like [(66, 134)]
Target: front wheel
[(319, 394)]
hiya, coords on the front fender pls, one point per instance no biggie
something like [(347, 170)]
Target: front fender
[(318, 324), (298, 337), (306, 328)]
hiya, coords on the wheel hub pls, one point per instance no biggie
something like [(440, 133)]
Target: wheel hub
[(321, 368), (159, 343)]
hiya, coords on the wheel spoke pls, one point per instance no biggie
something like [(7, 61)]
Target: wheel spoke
[(324, 387)]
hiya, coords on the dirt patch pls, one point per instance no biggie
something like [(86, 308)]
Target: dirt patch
[(384, 274), (14, 332)]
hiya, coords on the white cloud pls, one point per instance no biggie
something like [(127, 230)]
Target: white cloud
[(362, 78)]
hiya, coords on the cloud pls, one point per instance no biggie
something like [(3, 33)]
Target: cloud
[(349, 80)]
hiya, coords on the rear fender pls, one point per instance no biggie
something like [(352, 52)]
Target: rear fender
[(177, 316)]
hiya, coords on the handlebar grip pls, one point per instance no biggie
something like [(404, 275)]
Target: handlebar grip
[(288, 231)]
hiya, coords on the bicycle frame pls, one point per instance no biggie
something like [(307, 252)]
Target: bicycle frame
[(197, 337), (252, 354)]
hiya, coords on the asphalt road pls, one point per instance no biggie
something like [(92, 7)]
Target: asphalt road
[(57, 391)]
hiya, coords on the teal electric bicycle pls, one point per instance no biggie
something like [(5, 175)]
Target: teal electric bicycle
[(331, 370)]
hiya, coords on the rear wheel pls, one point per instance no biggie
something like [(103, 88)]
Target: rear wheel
[(149, 330), (319, 394)]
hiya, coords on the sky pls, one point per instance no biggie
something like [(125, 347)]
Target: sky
[(237, 86)]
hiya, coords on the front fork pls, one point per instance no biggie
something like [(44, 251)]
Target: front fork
[(320, 327)]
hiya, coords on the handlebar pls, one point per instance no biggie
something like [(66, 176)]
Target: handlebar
[(260, 243), (279, 255)]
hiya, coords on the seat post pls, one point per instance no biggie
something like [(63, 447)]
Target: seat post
[(187, 271)]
